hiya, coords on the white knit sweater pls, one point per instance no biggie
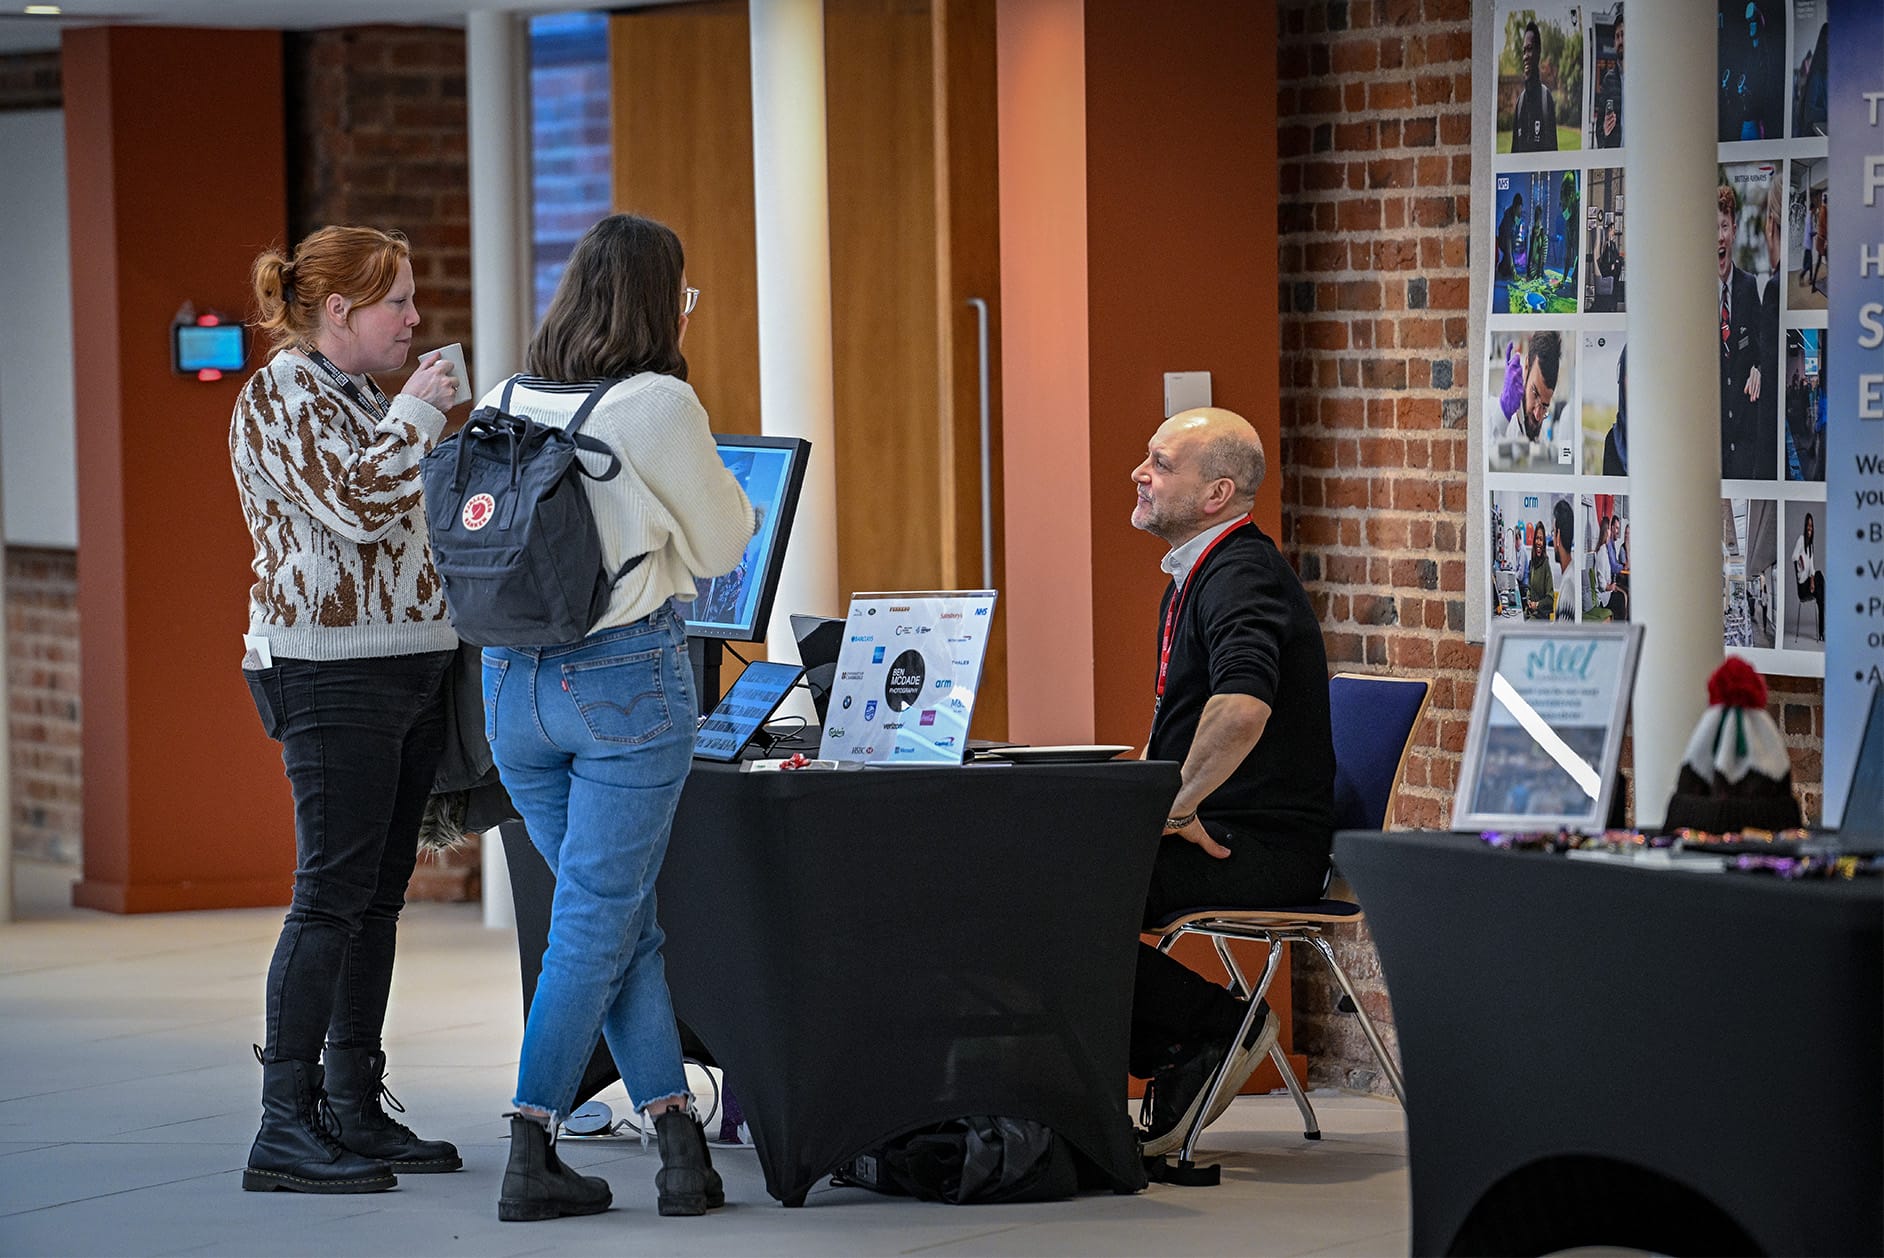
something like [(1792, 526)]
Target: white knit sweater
[(332, 501), (674, 500)]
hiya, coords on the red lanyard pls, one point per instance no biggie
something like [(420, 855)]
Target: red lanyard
[(1177, 602)]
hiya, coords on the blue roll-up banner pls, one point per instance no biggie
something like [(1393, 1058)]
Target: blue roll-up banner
[(1854, 480)]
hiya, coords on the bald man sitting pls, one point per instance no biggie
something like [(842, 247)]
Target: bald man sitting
[(1242, 704)]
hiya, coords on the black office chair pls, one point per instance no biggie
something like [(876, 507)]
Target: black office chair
[(1374, 720)]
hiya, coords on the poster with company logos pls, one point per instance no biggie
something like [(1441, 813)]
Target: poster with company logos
[(906, 677), (1550, 411)]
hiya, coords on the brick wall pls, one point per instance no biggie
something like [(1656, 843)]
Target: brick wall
[(42, 618), (377, 134), (1374, 111), (43, 702), (30, 80)]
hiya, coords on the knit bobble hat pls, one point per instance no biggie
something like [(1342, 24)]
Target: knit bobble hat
[(1736, 758)]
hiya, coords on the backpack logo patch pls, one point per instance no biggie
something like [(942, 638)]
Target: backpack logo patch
[(478, 510)]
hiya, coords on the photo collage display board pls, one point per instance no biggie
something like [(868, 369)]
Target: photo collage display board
[(1555, 418)]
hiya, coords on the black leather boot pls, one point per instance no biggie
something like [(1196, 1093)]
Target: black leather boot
[(537, 1185), (356, 1081), (686, 1182), (298, 1148)]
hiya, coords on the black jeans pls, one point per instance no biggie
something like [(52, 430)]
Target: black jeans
[(361, 741), (1174, 1008)]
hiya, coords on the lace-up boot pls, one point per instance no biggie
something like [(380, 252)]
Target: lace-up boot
[(298, 1148), (356, 1084)]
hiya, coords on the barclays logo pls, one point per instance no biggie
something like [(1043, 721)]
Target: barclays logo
[(863, 637)]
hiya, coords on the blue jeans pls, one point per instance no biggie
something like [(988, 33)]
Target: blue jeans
[(593, 741)]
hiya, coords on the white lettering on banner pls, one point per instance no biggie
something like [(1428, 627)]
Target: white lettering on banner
[(1872, 99), (1870, 395), (1870, 260), (1873, 325), (1873, 179)]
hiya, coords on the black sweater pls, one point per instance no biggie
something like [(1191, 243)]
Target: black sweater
[(1246, 627)]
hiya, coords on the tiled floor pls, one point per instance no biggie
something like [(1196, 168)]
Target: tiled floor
[(128, 1098)]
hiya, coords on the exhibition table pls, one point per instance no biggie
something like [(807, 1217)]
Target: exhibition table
[(868, 951), (1609, 1054)]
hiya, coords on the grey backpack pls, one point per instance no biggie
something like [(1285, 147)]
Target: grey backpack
[(511, 529)]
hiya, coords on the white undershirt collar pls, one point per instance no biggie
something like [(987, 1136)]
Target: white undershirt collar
[(1179, 562)]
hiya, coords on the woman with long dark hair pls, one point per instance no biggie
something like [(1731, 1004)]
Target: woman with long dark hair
[(348, 644), (594, 738), (1807, 574)]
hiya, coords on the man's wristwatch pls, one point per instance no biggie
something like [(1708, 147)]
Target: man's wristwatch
[(1178, 823)]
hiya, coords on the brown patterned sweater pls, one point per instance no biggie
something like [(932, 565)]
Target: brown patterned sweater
[(332, 501)]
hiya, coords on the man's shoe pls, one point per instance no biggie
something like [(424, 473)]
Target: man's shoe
[(1173, 1096), (356, 1082)]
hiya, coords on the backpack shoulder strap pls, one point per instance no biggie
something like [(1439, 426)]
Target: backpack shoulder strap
[(588, 404), (590, 444), (503, 403)]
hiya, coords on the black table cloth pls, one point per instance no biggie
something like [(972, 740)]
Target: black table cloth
[(1599, 1054), (870, 951)]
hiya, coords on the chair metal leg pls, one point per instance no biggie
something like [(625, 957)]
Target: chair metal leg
[(1311, 1129), (1169, 941), (1223, 1067), (1367, 1024)]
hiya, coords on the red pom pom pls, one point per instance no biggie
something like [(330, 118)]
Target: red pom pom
[(1736, 684)]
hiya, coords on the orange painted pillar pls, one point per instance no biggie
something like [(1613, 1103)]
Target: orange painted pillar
[(176, 179), (1139, 184)]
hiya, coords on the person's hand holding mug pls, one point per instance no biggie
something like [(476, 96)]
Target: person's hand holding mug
[(434, 384)]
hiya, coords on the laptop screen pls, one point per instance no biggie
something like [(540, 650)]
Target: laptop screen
[(1864, 801)]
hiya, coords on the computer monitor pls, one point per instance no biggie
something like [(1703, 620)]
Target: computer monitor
[(820, 638), (737, 605)]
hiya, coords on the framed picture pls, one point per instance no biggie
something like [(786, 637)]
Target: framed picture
[(1546, 732)]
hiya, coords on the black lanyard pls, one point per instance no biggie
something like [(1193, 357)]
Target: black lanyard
[(378, 406)]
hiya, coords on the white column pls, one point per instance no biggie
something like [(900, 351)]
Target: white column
[(1674, 383), (792, 214), (498, 109), (498, 115)]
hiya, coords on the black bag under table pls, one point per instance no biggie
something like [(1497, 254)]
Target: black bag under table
[(1604, 1054), (870, 951)]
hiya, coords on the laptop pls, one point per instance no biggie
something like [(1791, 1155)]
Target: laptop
[(908, 669), (820, 638), (1862, 828)]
